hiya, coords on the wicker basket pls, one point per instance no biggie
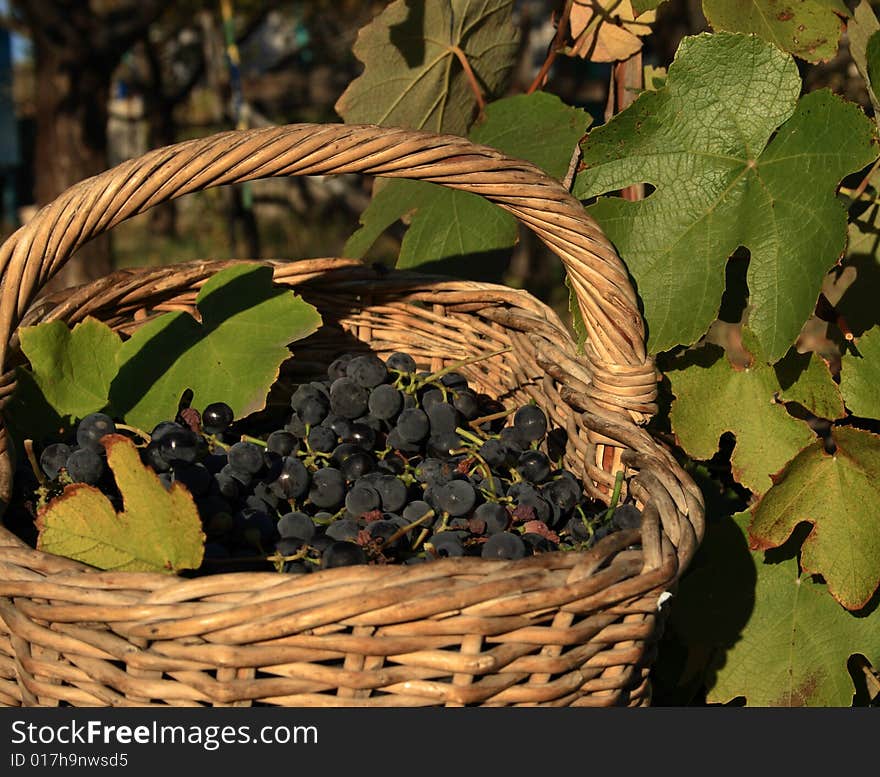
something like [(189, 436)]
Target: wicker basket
[(557, 629)]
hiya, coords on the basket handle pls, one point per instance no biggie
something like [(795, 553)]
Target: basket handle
[(615, 347)]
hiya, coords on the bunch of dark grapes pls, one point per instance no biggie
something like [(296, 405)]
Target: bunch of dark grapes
[(377, 463)]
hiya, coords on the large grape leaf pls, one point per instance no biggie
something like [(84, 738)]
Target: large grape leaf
[(793, 649), (233, 354), (809, 29), (714, 399), (73, 368), (539, 128), (723, 179), (157, 530), (840, 495), (860, 376), (412, 74)]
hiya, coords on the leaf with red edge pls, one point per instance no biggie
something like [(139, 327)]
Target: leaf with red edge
[(839, 494)]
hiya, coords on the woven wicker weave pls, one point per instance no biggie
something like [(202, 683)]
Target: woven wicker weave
[(558, 629)]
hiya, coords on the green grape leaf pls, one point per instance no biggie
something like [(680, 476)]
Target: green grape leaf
[(795, 644), (157, 530), (805, 378), (859, 31), (840, 495), (73, 368), (232, 355), (711, 400), (446, 223), (860, 376), (809, 29), (412, 73), (723, 179)]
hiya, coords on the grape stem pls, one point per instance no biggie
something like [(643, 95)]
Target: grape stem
[(134, 430), (615, 495), (435, 376), (475, 424), (254, 440), (35, 465), (404, 529)]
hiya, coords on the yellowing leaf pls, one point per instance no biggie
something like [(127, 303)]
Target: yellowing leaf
[(157, 531), (840, 495), (607, 30)]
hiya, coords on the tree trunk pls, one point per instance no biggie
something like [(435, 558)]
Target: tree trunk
[(71, 143)]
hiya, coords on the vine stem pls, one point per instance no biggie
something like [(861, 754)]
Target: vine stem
[(471, 77), (555, 47)]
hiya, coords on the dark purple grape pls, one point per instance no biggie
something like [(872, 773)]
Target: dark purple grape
[(504, 545), (413, 425), (495, 453), (296, 426), (342, 554), (447, 544), (179, 445), (217, 417), (626, 516), (85, 466), (296, 525), (495, 516), (293, 480), (530, 423), (401, 362), (357, 465), (534, 466), (345, 529), (392, 492), (338, 366), (385, 402), (322, 438), (457, 497), (314, 409), (281, 442), (466, 403), (246, 456), (416, 510), (443, 418), (195, 477), (362, 498), (53, 458), (454, 380), (348, 399), (328, 488), (362, 435), (563, 492), (367, 370), (92, 428)]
